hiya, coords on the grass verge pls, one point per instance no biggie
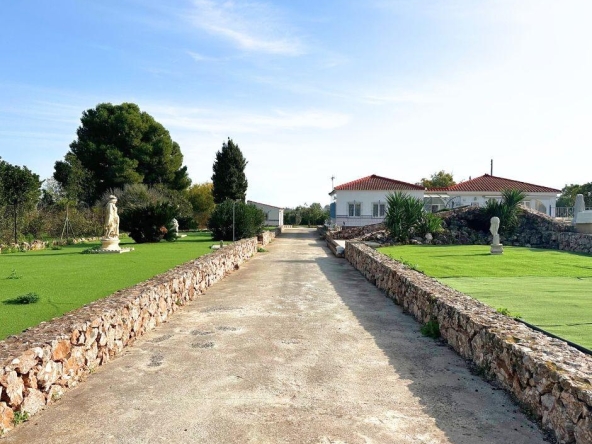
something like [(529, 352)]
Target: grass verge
[(66, 279), (549, 288)]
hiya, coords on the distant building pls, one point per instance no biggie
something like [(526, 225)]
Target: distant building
[(274, 216), (476, 192), (363, 201)]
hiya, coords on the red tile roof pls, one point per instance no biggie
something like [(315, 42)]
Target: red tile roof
[(377, 183), (489, 183)]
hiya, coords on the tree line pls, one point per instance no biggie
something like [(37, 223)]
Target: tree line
[(123, 151)]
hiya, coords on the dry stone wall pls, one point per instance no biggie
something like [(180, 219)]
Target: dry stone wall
[(267, 236), (551, 380), (575, 242), (535, 230), (37, 366)]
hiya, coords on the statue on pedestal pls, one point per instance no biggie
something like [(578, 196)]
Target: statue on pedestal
[(111, 227), (496, 247)]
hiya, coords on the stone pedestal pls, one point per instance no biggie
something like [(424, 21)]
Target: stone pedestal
[(496, 249), (111, 245), (584, 222)]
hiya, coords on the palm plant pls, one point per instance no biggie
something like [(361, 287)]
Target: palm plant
[(429, 223), (404, 212), (506, 210)]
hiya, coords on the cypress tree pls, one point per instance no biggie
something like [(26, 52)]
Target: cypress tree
[(229, 180)]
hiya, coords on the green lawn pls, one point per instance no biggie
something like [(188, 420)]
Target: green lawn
[(548, 288), (66, 279)]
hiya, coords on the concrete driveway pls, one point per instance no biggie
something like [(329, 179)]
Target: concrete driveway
[(295, 347)]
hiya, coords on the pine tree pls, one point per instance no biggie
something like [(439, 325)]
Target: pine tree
[(229, 177), (118, 145)]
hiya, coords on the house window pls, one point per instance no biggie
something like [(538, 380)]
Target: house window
[(355, 209), (378, 209)]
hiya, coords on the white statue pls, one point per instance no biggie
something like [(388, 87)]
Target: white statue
[(496, 247), (579, 207), (175, 224), (111, 227), (494, 229)]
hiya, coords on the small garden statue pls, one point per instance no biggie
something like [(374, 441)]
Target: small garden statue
[(175, 224), (111, 219), (496, 247), (110, 239)]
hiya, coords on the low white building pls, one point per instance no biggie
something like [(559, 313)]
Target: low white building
[(363, 201), (274, 216), (476, 192)]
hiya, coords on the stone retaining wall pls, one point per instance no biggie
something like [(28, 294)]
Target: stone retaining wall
[(550, 379), (464, 226), (267, 236), (575, 242), (38, 365)]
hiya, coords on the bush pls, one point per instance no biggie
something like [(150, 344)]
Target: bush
[(431, 329), (403, 216), (428, 223), (149, 223), (24, 299), (187, 223), (248, 221), (139, 195), (506, 210)]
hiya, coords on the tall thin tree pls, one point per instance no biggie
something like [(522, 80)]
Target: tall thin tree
[(229, 180)]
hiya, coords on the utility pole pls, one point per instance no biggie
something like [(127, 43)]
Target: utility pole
[(491, 168)]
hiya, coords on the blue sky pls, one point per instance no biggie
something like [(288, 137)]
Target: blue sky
[(310, 89)]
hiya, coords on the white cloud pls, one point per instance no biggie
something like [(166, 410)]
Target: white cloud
[(252, 26)]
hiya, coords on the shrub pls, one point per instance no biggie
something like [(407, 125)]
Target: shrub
[(405, 217), (429, 223), (13, 275), (20, 417), (148, 199), (24, 299), (504, 311), (149, 223), (187, 223), (506, 210), (431, 329), (248, 221)]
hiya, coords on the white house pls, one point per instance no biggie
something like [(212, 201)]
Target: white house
[(478, 191), (363, 201), (274, 216)]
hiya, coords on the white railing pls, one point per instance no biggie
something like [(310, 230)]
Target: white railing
[(566, 212)]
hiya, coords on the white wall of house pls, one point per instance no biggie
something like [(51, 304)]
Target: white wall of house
[(543, 202), (274, 216), (368, 206)]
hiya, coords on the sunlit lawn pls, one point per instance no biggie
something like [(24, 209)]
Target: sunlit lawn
[(66, 279), (548, 288)]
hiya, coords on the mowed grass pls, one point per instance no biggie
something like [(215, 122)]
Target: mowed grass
[(66, 279), (547, 288)]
